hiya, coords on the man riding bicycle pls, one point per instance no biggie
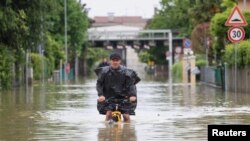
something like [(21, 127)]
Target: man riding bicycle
[(116, 81)]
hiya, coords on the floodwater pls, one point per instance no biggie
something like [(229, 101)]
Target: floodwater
[(68, 113)]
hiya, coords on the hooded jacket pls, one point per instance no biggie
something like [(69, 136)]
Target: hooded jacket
[(119, 82)]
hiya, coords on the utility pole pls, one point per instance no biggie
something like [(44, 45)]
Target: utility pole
[(245, 4), (170, 39), (65, 39)]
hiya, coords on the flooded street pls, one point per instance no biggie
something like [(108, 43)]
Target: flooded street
[(68, 112)]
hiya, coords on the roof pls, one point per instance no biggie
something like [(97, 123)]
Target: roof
[(115, 28), (113, 32), (119, 20)]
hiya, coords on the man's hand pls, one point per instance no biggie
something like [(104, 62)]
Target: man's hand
[(101, 99), (132, 99)]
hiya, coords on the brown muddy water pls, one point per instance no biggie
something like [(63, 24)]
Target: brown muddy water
[(68, 113)]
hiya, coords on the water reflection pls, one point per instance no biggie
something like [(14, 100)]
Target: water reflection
[(117, 132), (165, 112), (16, 115)]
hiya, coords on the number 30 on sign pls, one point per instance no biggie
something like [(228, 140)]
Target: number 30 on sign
[(236, 34)]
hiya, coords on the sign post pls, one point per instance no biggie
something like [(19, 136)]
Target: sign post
[(236, 33), (188, 63), (187, 44), (67, 69)]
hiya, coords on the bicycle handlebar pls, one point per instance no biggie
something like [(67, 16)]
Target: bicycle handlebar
[(117, 100)]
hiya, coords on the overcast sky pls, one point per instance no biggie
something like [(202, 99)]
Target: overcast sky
[(144, 8)]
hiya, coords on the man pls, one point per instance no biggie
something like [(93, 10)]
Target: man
[(104, 63), (116, 81)]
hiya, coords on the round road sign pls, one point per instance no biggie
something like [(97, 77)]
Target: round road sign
[(187, 43), (236, 34), (178, 49)]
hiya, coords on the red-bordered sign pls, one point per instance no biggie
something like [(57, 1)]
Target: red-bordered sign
[(67, 69), (187, 43), (236, 18), (178, 49), (236, 34)]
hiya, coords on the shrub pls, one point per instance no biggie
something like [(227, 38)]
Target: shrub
[(177, 71), (6, 62), (239, 52)]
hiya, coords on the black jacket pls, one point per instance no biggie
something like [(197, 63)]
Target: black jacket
[(119, 82)]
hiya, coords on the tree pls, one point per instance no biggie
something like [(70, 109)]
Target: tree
[(219, 30), (188, 17), (172, 15), (77, 24), (13, 32), (35, 25)]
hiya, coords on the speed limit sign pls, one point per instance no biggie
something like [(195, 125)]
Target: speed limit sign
[(236, 34)]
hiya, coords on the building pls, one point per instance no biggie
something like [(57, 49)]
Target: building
[(244, 4), (116, 27), (111, 20), (110, 29)]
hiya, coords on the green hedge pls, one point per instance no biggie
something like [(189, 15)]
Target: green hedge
[(177, 71), (36, 64), (6, 62), (240, 51)]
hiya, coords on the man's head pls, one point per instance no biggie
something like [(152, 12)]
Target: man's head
[(115, 60), (105, 60)]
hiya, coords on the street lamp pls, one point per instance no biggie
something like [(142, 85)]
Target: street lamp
[(65, 39)]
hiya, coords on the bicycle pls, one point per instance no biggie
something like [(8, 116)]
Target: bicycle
[(117, 106)]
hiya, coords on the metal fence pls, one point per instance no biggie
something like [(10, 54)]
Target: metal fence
[(238, 79), (228, 78)]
